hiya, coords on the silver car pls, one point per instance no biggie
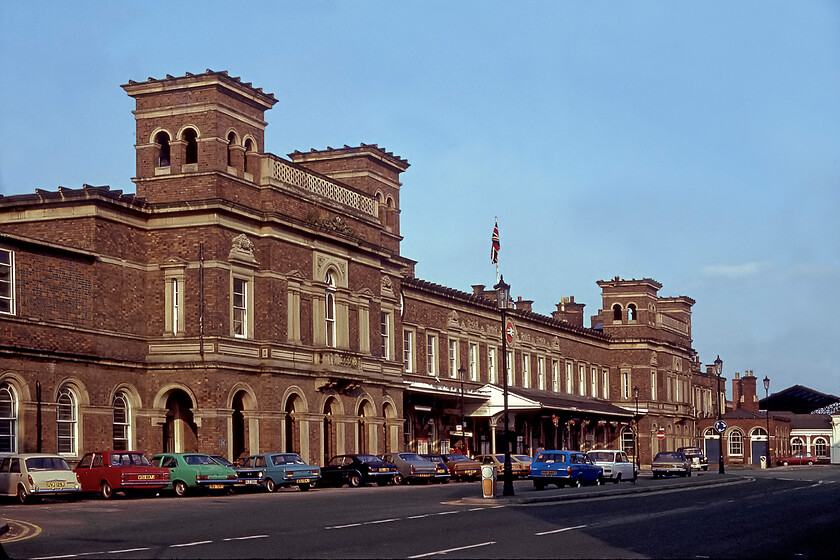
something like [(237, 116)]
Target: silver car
[(617, 466), (412, 467)]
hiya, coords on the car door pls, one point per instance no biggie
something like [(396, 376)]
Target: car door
[(4, 476), (15, 476), (83, 471)]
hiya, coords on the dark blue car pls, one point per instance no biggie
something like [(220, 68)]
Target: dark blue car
[(564, 468)]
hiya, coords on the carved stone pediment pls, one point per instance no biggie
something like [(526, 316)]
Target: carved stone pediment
[(174, 262), (242, 250)]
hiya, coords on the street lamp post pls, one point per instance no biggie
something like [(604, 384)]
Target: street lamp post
[(719, 372), (503, 300), (767, 416), (636, 431), (461, 372)]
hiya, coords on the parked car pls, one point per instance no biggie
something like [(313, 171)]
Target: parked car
[(695, 455), (30, 476), (109, 472), (517, 468), (274, 470), (670, 462), (355, 470), (526, 460), (617, 466), (564, 468), (411, 466), (223, 461), (441, 470), (194, 470), (802, 458), (461, 467)]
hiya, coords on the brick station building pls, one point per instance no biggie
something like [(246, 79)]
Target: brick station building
[(243, 302)]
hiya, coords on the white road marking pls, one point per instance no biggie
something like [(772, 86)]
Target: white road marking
[(127, 550), (196, 543), (380, 521), (453, 549), (418, 516), (564, 529), (246, 538), (345, 526), (476, 509), (446, 512)]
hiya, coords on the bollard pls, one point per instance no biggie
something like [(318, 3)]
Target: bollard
[(488, 481)]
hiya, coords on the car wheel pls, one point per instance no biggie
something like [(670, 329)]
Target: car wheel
[(810, 463), (304, 487), (617, 478), (689, 472), (399, 479), (180, 488), (598, 481), (539, 484), (578, 483), (105, 490), (270, 486), (22, 495), (354, 480)]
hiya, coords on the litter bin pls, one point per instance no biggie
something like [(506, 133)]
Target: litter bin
[(488, 481), (763, 462)]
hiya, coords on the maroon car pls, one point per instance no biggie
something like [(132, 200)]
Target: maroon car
[(107, 472), (802, 458)]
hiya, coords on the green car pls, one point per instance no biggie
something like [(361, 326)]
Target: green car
[(194, 470)]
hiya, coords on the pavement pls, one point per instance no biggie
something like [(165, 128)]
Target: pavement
[(534, 496)]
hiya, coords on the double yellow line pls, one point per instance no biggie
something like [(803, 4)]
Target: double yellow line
[(19, 531)]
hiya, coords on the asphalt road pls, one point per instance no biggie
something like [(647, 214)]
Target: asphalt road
[(779, 513)]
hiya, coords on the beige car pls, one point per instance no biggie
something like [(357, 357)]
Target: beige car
[(517, 468), (30, 476), (670, 462)]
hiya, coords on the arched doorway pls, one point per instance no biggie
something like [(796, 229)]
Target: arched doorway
[(758, 445), (238, 437), (362, 429), (291, 432), (180, 434), (328, 428)]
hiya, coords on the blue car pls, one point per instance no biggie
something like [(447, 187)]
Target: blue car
[(564, 468), (274, 470)]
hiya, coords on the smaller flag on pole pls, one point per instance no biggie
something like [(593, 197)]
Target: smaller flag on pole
[(494, 251)]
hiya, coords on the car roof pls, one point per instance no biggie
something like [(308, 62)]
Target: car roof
[(30, 455)]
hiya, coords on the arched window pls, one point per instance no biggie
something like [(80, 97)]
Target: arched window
[(631, 312), (736, 442), (797, 445), (66, 421), (820, 447), (191, 138), (617, 312), (162, 140), (122, 423), (231, 144), (8, 419), (249, 147), (329, 311)]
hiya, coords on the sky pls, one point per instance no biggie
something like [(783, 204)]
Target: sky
[(695, 143)]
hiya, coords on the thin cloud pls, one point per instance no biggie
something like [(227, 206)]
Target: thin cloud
[(733, 271)]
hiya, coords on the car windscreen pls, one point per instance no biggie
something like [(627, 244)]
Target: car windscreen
[(456, 457), (47, 464), (199, 460), (287, 459), (369, 459), (669, 457), (137, 459), (601, 456), (411, 457)]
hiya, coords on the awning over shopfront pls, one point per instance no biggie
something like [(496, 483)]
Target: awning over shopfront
[(533, 399), (441, 390)]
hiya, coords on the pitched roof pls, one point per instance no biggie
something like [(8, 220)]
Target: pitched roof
[(797, 399)]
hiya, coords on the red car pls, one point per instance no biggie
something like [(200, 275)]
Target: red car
[(802, 458), (107, 472)]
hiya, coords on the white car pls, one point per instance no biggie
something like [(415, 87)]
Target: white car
[(29, 476), (616, 465)]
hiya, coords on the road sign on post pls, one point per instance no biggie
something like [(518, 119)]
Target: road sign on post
[(660, 435), (720, 426), (509, 332)]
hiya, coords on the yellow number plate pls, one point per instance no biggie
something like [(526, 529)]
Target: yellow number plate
[(549, 473), (216, 486), (55, 484), (303, 481), (145, 477), (384, 470)]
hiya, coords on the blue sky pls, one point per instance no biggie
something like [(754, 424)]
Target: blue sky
[(696, 143)]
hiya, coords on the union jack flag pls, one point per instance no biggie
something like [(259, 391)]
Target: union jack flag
[(494, 251)]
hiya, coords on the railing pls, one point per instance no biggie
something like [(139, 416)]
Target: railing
[(292, 176)]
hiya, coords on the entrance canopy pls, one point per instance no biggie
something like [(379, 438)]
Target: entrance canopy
[(532, 399)]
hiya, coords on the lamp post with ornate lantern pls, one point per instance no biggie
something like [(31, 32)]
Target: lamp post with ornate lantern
[(503, 300), (719, 373), (636, 431), (461, 372), (767, 415)]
